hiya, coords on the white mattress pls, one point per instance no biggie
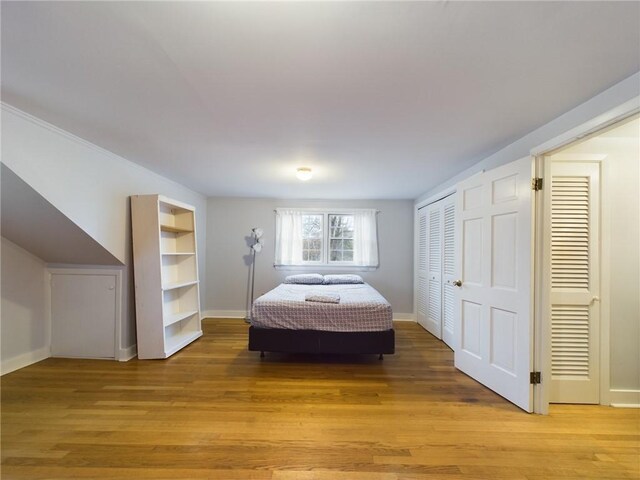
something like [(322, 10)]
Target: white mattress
[(361, 309)]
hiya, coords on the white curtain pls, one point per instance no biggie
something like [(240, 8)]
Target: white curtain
[(365, 238), (288, 237)]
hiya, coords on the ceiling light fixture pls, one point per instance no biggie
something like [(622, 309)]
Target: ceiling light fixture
[(304, 173)]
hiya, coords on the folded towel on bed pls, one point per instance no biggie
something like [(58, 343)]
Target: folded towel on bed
[(322, 297)]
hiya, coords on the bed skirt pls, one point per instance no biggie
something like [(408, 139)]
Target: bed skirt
[(317, 341)]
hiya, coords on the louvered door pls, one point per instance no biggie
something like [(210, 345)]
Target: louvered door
[(572, 237), (437, 268), (421, 267), (449, 269), (434, 270)]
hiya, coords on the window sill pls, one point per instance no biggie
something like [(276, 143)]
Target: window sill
[(325, 268)]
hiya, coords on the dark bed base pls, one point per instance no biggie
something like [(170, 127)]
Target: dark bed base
[(316, 341)]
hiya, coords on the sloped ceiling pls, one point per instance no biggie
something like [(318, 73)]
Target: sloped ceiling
[(381, 99), (30, 221)]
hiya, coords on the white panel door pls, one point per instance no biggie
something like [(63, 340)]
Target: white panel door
[(422, 274), (493, 328), (572, 238), (434, 270), (83, 312), (449, 269)]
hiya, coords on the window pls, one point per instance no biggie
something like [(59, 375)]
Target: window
[(341, 238), (315, 237), (312, 238)]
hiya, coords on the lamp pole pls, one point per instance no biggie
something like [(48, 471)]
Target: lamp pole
[(253, 278), (256, 234)]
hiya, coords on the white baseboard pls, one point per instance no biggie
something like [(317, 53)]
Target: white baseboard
[(126, 354), (397, 317), (404, 317), (224, 314), (624, 398), (24, 360)]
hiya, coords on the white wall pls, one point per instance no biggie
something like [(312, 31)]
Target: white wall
[(622, 187), (91, 186), (24, 322), (624, 177), (25, 214), (230, 221)]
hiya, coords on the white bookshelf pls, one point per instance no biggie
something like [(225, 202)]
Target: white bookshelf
[(166, 275)]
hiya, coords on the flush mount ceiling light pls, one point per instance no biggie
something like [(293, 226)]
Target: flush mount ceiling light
[(304, 173)]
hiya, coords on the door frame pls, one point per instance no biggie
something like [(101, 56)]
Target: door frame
[(441, 195), (542, 329), (119, 353)]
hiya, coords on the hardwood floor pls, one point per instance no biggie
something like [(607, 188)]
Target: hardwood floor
[(217, 411)]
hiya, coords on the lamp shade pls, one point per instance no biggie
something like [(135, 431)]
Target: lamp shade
[(258, 232)]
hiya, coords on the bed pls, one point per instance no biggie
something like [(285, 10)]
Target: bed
[(284, 320)]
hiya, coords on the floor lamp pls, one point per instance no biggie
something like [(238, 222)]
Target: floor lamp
[(256, 247)]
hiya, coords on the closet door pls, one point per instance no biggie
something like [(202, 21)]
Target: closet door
[(422, 274), (83, 315), (434, 270), (449, 269), (573, 263)]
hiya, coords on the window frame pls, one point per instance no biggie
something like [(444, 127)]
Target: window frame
[(307, 266), (326, 240)]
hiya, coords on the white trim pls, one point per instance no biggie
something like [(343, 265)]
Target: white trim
[(126, 354), (592, 126), (605, 282), (541, 333), (119, 350), (404, 317), (223, 314), (624, 398), (24, 360)]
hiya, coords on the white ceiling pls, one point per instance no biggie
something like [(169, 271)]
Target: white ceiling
[(382, 100)]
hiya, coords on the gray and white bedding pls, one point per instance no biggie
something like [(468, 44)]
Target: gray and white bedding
[(360, 309)]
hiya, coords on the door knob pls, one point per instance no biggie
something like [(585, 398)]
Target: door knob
[(457, 283)]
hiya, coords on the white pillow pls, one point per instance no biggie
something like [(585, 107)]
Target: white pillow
[(305, 279), (338, 279)]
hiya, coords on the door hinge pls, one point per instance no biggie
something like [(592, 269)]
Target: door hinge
[(535, 378), (536, 184)]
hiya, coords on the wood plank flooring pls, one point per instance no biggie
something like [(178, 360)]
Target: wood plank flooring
[(217, 411)]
